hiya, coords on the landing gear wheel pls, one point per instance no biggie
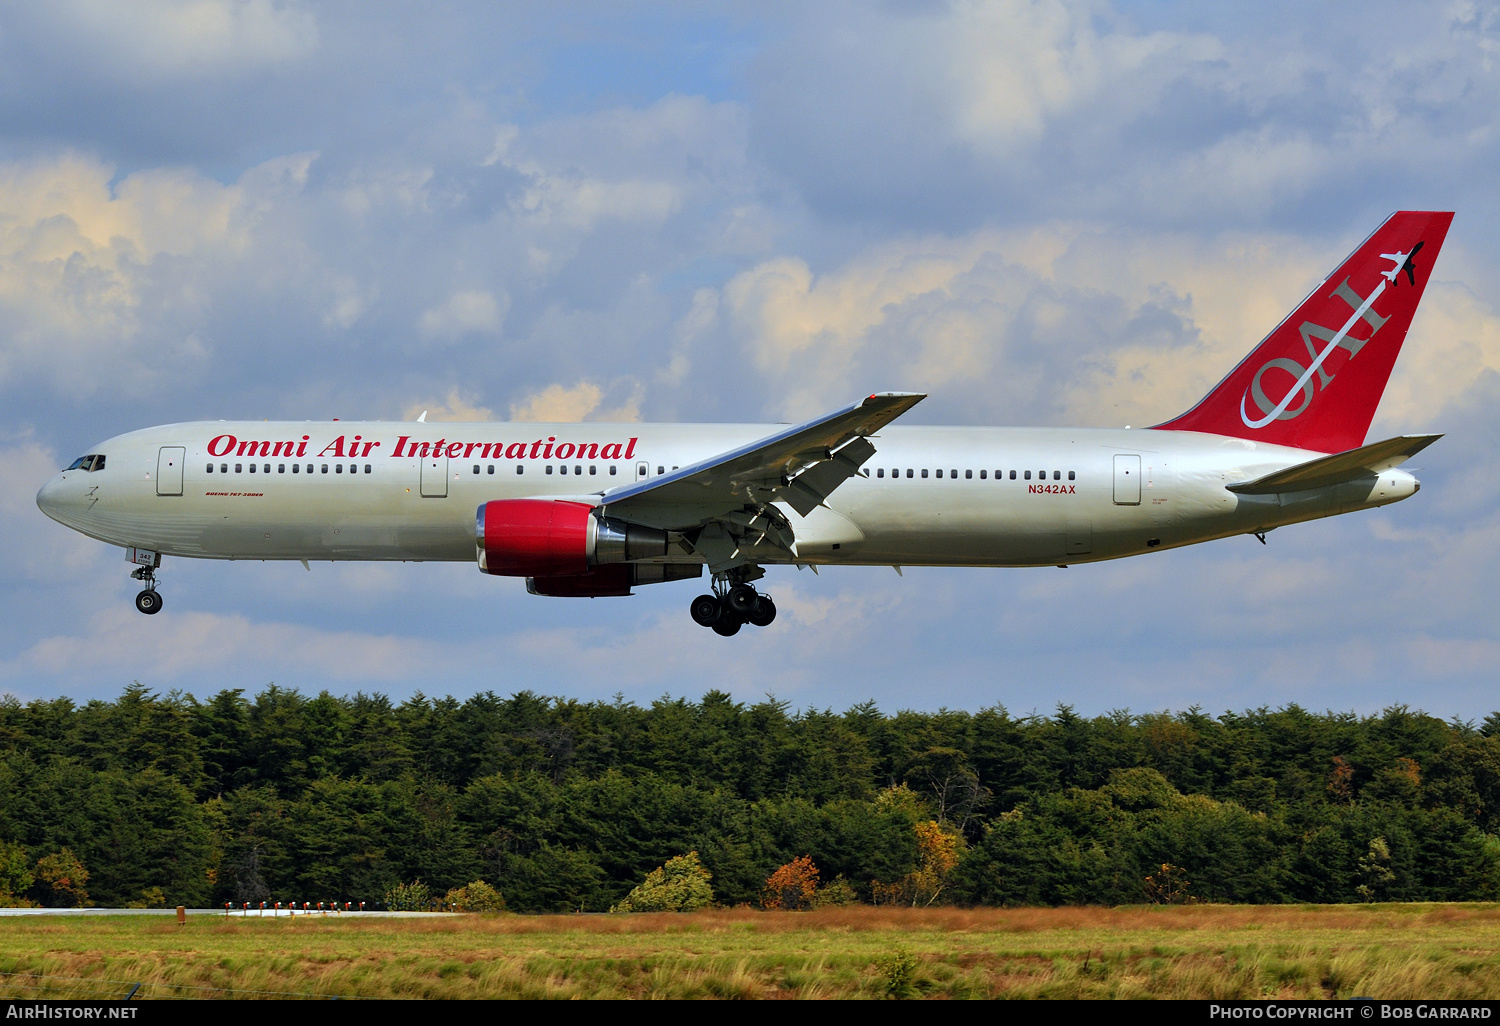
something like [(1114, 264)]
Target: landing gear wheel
[(728, 625), (741, 600), (763, 613), (148, 601), (705, 610)]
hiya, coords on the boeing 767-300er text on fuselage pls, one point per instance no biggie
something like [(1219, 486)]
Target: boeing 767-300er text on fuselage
[(596, 509)]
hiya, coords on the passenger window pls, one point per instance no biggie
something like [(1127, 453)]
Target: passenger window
[(369, 469), (953, 474), (223, 468), (1028, 475), (252, 468), (1070, 475), (266, 468), (520, 469), (549, 468), (338, 468), (984, 472), (354, 468), (661, 470), (210, 468), (281, 468), (1057, 475), (924, 471), (296, 467), (593, 470), (908, 472), (939, 473), (239, 468), (325, 468), (309, 469), (476, 468), (1013, 475), (562, 469), (611, 471), (969, 475), (880, 472), (640, 470), (491, 471), (577, 471)]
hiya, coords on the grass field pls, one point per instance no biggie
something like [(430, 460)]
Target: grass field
[(1206, 951)]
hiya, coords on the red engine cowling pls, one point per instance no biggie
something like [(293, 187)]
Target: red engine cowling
[(533, 537)]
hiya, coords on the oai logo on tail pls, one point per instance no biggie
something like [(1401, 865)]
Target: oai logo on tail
[(1403, 263), (1304, 387)]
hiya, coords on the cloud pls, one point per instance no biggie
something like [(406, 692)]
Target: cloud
[(1059, 322), (1042, 213), (1453, 344), (190, 643), (1051, 108), (556, 404), (454, 408), (102, 283), (175, 40), (465, 313)]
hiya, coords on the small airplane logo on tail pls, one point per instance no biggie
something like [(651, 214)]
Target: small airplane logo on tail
[(1403, 263)]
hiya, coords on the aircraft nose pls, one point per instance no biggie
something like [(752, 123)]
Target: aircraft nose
[(49, 499)]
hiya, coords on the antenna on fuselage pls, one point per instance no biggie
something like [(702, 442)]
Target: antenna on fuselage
[(423, 418)]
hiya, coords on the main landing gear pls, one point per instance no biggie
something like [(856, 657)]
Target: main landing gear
[(148, 600), (731, 606)]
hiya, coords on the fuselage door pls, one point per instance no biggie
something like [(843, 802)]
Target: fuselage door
[(1127, 480), (169, 469), (435, 477)]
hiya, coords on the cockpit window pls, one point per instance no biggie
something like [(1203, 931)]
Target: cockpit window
[(93, 461)]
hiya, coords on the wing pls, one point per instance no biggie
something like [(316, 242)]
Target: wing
[(800, 466), (1365, 461)]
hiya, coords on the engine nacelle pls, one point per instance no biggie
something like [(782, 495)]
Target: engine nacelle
[(612, 579), (533, 537), (557, 538)]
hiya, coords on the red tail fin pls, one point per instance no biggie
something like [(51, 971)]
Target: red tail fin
[(1315, 381)]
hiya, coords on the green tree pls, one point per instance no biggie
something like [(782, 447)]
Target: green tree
[(15, 876), (680, 885)]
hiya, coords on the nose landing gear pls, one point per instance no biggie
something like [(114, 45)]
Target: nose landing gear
[(148, 600), (731, 607)]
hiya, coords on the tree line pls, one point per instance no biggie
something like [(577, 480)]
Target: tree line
[(564, 805)]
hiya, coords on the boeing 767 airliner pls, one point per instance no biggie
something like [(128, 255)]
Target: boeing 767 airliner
[(596, 509)]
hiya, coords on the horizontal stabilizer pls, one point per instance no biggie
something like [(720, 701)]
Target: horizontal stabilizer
[(1365, 461)]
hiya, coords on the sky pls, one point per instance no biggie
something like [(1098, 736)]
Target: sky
[(1041, 213)]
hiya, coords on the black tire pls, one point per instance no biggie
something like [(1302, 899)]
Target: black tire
[(741, 599), (728, 625), (705, 610), (149, 602), (763, 613)]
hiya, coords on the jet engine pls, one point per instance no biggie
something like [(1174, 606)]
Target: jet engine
[(556, 538)]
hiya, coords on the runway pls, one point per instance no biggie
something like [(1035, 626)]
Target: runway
[(253, 913)]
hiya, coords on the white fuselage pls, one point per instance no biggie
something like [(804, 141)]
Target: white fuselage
[(1005, 497)]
